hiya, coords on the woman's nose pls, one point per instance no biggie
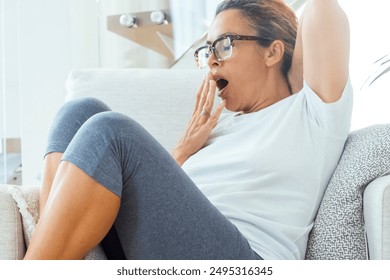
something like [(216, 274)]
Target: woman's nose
[(213, 61)]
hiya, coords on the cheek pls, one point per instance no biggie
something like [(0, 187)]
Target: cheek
[(236, 100), (242, 96)]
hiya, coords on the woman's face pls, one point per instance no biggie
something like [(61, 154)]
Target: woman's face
[(245, 70)]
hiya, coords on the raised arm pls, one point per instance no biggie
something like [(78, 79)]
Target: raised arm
[(322, 49)]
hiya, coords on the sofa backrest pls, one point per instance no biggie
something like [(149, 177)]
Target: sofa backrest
[(159, 99)]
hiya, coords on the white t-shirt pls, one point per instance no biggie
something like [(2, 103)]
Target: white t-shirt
[(267, 171)]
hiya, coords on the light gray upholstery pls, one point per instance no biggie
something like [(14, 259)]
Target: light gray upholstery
[(11, 231), (338, 231)]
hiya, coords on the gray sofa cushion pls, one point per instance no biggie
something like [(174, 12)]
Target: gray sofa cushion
[(338, 231)]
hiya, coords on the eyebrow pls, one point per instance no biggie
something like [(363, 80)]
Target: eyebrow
[(223, 34)]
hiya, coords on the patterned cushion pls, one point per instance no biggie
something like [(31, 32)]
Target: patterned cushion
[(27, 199), (338, 231)]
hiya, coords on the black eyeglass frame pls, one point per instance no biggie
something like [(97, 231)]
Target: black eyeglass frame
[(232, 38)]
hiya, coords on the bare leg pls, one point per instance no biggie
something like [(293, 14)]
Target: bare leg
[(50, 167), (78, 214)]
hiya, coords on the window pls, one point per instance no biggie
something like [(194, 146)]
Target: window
[(369, 22)]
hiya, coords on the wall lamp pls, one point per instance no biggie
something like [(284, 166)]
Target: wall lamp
[(158, 17), (128, 21), (151, 29), (131, 21)]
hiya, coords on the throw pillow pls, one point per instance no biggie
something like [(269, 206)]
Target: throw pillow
[(338, 231), (27, 199)]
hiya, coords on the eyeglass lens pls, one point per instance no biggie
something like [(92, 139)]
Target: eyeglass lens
[(222, 50), (203, 56)]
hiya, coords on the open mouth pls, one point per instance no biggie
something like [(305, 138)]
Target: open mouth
[(222, 84)]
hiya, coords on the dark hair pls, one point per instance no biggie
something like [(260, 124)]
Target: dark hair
[(271, 19)]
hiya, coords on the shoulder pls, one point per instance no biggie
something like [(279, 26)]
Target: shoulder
[(333, 118)]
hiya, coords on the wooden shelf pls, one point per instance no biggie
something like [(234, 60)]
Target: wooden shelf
[(158, 37)]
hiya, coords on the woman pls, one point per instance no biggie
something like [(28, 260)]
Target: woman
[(250, 181)]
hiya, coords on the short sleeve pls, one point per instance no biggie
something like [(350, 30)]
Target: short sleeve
[(334, 118)]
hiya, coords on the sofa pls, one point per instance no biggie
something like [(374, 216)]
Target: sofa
[(353, 221)]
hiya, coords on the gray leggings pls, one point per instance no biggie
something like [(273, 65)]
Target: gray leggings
[(163, 215)]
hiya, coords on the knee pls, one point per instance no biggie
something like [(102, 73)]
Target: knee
[(114, 125), (111, 121), (73, 114), (68, 120), (85, 105)]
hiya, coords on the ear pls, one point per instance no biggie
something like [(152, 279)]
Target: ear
[(274, 53)]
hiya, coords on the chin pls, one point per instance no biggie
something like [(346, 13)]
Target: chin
[(231, 107)]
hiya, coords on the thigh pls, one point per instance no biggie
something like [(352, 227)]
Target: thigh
[(172, 219)]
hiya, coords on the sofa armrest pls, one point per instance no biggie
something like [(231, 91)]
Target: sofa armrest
[(12, 245), (376, 205)]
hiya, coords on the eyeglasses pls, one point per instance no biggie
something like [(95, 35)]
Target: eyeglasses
[(222, 48)]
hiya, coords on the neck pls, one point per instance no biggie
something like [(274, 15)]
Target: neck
[(273, 91)]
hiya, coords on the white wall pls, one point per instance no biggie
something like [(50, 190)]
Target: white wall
[(9, 81), (46, 59), (370, 40), (9, 69)]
